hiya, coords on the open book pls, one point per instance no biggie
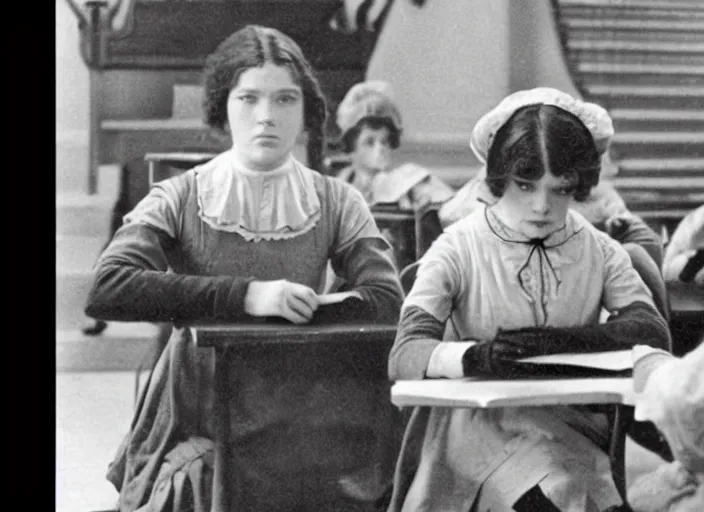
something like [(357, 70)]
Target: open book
[(471, 392)]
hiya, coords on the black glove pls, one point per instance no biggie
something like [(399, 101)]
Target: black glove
[(495, 357), (558, 340)]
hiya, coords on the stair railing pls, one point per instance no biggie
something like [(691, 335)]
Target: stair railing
[(97, 21)]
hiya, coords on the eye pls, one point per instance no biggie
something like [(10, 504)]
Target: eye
[(564, 191), (287, 99), (250, 99), (525, 186), (368, 142)]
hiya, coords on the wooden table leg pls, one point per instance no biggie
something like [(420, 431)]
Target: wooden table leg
[(222, 494)]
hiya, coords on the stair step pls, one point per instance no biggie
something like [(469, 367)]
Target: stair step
[(77, 253), (625, 9), (626, 119), (639, 25), (83, 215), (647, 144), (637, 4), (665, 167), (661, 184), (602, 45), (624, 73), (646, 96), (123, 346), (72, 289), (626, 68)]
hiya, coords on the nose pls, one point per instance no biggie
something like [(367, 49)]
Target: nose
[(381, 156), (541, 203), (265, 112)]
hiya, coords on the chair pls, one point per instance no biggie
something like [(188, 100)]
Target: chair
[(427, 228)]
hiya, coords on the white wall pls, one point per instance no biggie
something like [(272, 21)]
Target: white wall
[(448, 63), (72, 100), (451, 61)]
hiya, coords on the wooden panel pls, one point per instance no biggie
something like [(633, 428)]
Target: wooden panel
[(180, 34)]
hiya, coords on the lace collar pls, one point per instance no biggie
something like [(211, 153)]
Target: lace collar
[(279, 204)]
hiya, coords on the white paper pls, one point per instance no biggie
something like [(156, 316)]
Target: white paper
[(617, 360), (334, 298)]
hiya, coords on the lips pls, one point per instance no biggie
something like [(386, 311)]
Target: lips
[(539, 223)]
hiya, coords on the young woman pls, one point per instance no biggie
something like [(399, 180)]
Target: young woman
[(246, 235), (370, 124), (604, 207), (522, 277)]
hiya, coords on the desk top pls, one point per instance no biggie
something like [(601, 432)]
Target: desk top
[(685, 297), (510, 393), (224, 335), (179, 157)]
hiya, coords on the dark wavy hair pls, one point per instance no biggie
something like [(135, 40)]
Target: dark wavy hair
[(348, 141), (254, 46), (540, 137)]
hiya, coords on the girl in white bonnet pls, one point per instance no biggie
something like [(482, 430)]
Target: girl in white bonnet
[(371, 128), (604, 207), (670, 393), (523, 276)]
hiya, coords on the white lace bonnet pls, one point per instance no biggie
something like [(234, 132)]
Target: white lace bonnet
[(594, 117)]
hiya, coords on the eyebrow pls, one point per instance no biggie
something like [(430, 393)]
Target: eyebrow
[(287, 90)]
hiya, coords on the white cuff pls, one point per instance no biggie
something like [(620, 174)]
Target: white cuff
[(446, 360)]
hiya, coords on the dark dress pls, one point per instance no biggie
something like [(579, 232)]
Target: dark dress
[(305, 440)]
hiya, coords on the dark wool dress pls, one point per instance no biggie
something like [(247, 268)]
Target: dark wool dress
[(305, 440)]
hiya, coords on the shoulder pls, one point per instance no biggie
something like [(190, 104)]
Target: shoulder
[(337, 193)]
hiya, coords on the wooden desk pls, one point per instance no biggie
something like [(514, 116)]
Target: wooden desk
[(508, 393), (686, 316), (179, 160), (530, 392), (366, 344)]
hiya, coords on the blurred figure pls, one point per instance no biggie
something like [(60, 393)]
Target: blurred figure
[(676, 407), (684, 255), (371, 128)]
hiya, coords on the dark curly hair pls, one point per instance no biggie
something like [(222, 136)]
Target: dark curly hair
[(254, 46), (540, 137), (348, 141)]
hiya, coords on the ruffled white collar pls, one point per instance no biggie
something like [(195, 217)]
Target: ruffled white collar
[(279, 204)]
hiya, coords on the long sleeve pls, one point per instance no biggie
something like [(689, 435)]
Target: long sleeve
[(132, 281), (425, 313), (132, 284), (363, 259)]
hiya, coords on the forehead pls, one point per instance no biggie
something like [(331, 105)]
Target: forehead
[(367, 132), (268, 77), (548, 179)]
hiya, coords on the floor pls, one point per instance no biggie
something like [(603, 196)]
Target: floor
[(93, 412)]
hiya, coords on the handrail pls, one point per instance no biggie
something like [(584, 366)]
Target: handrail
[(96, 17)]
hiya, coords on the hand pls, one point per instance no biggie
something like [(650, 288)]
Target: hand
[(292, 301), (543, 341), (617, 225), (495, 357)]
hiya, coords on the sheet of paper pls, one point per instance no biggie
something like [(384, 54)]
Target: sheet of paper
[(509, 393), (334, 298), (617, 360)]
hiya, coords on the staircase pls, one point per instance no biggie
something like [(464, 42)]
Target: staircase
[(82, 228), (643, 60)]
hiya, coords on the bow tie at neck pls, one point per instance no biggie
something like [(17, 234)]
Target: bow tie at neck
[(546, 284)]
